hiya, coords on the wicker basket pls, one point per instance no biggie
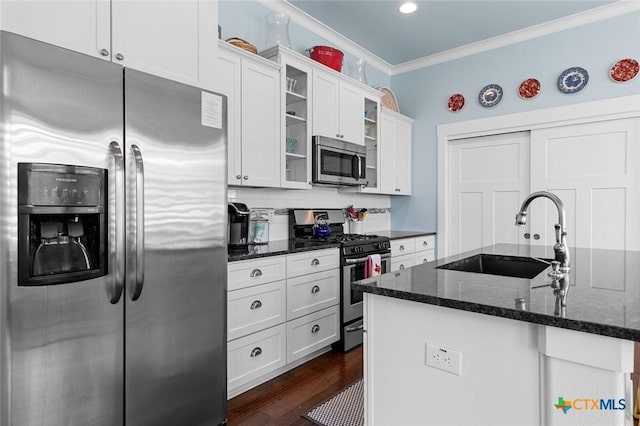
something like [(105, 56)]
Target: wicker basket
[(242, 44), (388, 100)]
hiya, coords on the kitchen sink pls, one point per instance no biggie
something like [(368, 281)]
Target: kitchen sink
[(496, 264)]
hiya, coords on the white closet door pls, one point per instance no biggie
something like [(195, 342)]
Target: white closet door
[(595, 170), (489, 178)]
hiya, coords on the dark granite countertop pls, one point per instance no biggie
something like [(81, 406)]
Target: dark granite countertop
[(603, 296), (276, 248), (394, 235)]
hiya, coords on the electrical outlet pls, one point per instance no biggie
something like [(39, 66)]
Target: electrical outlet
[(443, 358)]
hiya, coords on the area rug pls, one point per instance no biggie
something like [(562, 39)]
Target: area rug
[(346, 408)]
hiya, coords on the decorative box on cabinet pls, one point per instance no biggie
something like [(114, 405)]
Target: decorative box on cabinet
[(395, 151), (296, 113), (110, 30), (252, 85)]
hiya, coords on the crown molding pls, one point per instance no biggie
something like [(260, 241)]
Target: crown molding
[(598, 14), (329, 34), (307, 21)]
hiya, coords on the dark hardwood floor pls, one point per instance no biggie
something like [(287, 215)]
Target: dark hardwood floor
[(282, 400)]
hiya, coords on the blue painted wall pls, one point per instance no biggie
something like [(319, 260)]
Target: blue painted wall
[(423, 94), (246, 19)]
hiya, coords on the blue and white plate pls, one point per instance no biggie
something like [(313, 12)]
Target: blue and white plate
[(573, 80), (490, 95)]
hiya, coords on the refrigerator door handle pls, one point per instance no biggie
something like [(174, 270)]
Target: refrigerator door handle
[(139, 221), (118, 268)]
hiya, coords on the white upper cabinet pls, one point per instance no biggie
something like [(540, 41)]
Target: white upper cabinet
[(396, 132), (171, 39), (252, 85), (338, 107)]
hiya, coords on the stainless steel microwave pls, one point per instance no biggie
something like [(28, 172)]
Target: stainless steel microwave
[(337, 162)]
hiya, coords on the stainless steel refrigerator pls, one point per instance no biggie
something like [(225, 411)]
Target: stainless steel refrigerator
[(112, 244)]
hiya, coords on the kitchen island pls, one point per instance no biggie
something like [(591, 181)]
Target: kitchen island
[(508, 351)]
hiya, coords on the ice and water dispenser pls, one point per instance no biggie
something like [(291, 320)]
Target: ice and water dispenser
[(62, 223)]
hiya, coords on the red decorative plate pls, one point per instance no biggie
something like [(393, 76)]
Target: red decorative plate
[(455, 103), (624, 70), (529, 88)]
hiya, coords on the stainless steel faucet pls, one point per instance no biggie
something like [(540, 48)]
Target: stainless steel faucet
[(560, 248)]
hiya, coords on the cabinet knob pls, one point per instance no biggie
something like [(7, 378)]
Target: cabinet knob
[(424, 243), (256, 273), (397, 189), (401, 248), (104, 52), (315, 328), (342, 136), (245, 177), (238, 176), (401, 267), (315, 289), (119, 56), (255, 352), (337, 135), (527, 236), (536, 236), (256, 304)]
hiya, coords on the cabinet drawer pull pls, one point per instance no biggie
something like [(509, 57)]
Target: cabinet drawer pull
[(315, 328), (119, 56), (256, 273), (238, 176), (401, 248), (401, 266), (104, 52), (256, 304), (255, 352), (425, 260), (424, 243), (315, 262), (246, 177), (315, 289)]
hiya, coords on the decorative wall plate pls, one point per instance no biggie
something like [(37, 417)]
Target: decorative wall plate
[(624, 70), (490, 95), (529, 88), (573, 80), (455, 102)]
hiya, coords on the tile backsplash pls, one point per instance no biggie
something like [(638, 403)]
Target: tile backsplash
[(378, 219)]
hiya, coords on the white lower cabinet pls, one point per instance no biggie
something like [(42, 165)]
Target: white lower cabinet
[(308, 293), (312, 332), (255, 355), (255, 308), (282, 311), (408, 252)]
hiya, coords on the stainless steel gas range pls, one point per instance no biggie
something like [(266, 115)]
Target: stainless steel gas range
[(354, 252)]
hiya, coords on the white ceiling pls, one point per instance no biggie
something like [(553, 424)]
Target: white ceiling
[(438, 25)]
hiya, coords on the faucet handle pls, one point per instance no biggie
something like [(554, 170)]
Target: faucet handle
[(555, 273)]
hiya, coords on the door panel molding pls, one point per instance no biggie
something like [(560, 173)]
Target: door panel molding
[(588, 112)]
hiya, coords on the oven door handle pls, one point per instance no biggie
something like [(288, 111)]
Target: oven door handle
[(364, 259)]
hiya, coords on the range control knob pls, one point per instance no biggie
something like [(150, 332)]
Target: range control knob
[(382, 245)]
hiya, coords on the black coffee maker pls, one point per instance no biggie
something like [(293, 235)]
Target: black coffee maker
[(238, 225)]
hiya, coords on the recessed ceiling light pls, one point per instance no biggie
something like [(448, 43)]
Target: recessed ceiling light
[(408, 7)]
